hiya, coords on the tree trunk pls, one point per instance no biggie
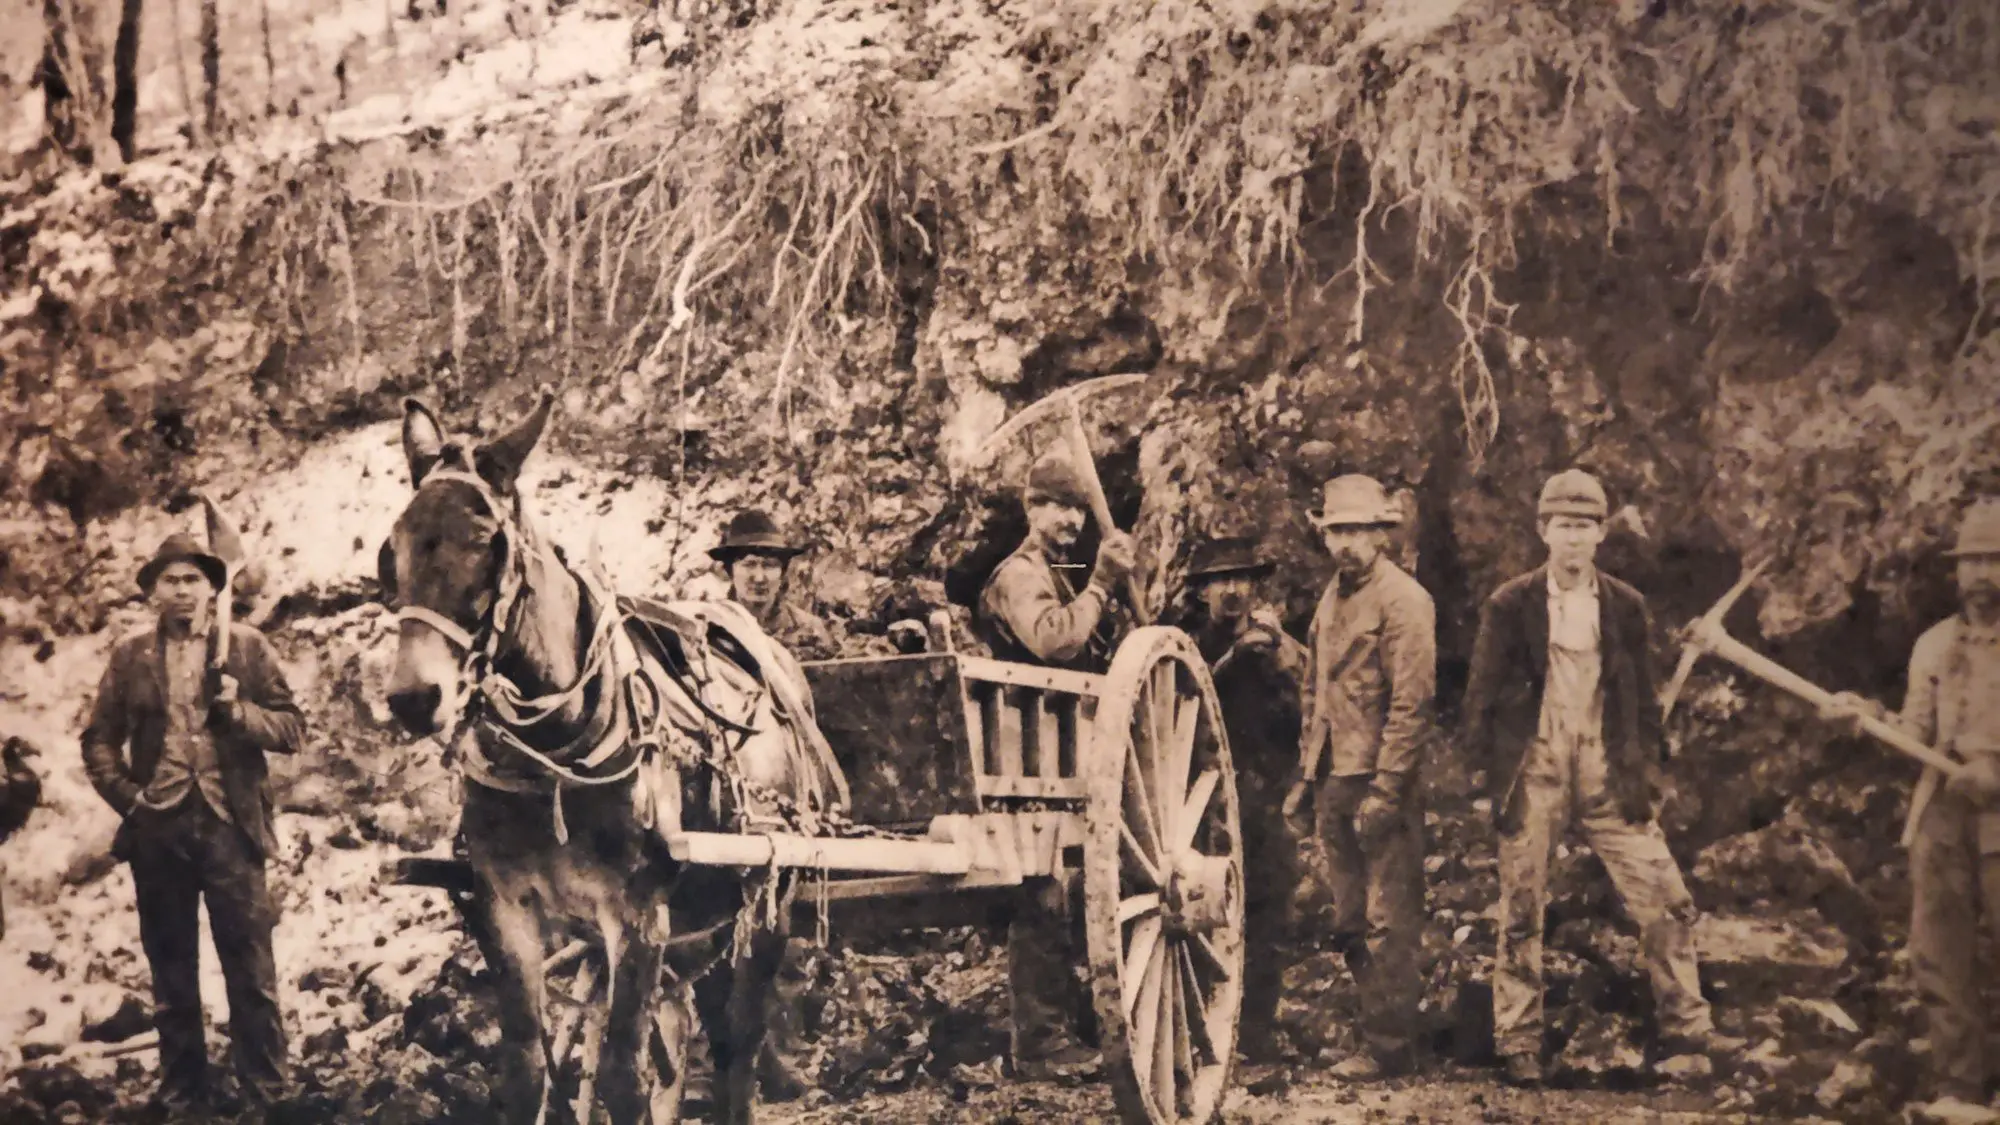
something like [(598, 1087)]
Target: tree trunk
[(125, 76), (270, 59), (181, 69), (211, 65), (53, 75)]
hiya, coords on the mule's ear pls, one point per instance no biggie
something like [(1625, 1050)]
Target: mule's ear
[(499, 461), (423, 439)]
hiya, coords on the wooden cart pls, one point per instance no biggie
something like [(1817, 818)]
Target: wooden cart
[(980, 777)]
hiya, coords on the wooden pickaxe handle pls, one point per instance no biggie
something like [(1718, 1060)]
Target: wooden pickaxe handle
[(1100, 508), (1710, 635)]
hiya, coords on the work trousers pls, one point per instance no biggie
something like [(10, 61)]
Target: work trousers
[(1270, 877), (1043, 954), (180, 858), (1563, 782), (785, 1066), (1378, 903), (1954, 873)]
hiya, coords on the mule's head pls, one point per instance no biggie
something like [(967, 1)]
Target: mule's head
[(447, 560)]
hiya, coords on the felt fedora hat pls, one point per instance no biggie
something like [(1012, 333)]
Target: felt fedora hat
[(1223, 556), (1979, 531), (1355, 500), (753, 532), (182, 547)]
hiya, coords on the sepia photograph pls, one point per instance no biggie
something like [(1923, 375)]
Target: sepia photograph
[(991, 562)]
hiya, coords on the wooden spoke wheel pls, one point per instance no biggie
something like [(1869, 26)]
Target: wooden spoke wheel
[(1163, 883)]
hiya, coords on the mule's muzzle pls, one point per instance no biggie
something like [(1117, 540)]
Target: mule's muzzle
[(417, 708)]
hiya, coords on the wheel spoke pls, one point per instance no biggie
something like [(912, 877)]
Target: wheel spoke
[(1137, 905), (1200, 1028), (1132, 850), (1143, 1004), (1187, 723), (1161, 697), (1205, 951), (1138, 961), (1139, 807), (1184, 1020), (1163, 1053), (1197, 804)]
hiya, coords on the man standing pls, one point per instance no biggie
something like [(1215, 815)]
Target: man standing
[(176, 747), (1560, 710), (1030, 612), (1370, 679), (757, 558), (1257, 671), (1953, 703)]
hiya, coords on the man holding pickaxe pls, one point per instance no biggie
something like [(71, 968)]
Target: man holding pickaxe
[(1032, 612), (1952, 703), (184, 715)]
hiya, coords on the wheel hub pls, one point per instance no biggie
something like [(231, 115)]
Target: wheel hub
[(1200, 892)]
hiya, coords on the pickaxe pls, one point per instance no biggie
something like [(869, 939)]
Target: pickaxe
[(226, 543), (1071, 419), (1705, 634)]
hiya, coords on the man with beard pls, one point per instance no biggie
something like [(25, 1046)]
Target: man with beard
[(757, 557), (1370, 680), (1030, 612), (1952, 702), (1560, 711), (1257, 670), (197, 821)]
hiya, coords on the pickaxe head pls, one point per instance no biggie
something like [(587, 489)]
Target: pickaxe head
[(1694, 638)]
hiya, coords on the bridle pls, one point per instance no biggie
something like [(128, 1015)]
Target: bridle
[(496, 705)]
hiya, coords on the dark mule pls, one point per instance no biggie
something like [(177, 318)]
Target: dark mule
[(584, 735)]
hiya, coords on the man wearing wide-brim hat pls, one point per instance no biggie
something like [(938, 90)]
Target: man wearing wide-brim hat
[(1560, 711), (757, 557), (1953, 703), (1257, 670), (1369, 683), (176, 747)]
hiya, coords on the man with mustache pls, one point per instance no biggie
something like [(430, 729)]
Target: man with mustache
[(1030, 611), (1370, 680), (757, 557), (197, 821), (1953, 703), (1561, 712), (1257, 671)]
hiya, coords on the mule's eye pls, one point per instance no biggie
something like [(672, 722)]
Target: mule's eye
[(430, 545)]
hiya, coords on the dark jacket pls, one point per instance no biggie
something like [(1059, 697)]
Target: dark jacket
[(1502, 713), (128, 726), (1257, 687)]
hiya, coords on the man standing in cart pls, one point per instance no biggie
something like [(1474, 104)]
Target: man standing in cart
[(1030, 611), (1257, 670), (757, 556), (1370, 681), (758, 559)]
